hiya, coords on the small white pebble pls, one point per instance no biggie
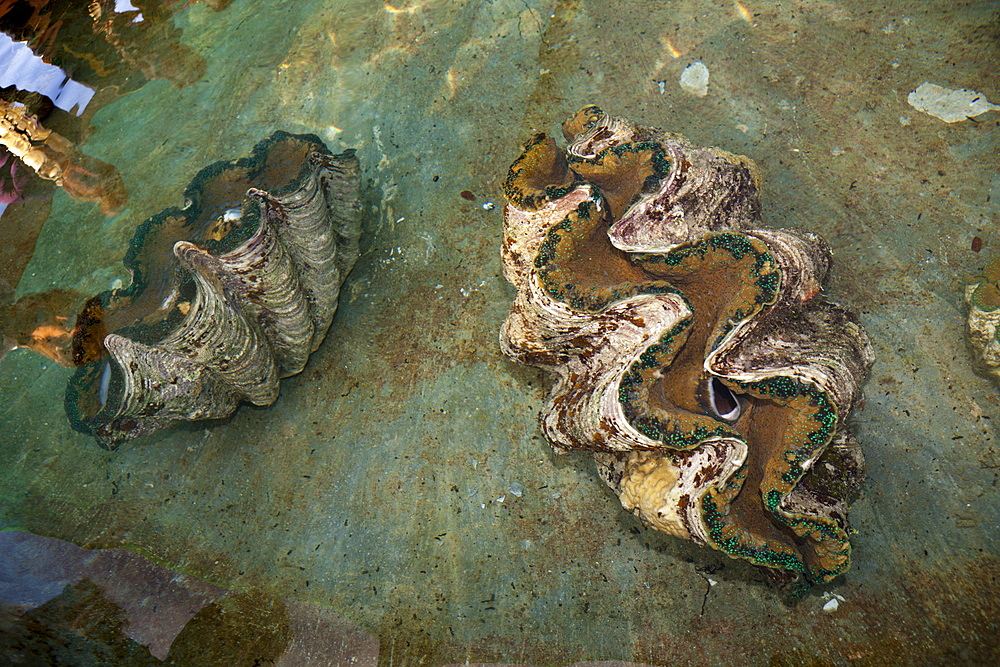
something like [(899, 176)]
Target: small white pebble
[(694, 79), (831, 606), (712, 582), (489, 206)]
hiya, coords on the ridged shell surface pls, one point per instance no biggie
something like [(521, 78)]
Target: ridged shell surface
[(229, 294)]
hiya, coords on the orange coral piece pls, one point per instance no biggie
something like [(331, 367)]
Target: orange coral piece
[(55, 158)]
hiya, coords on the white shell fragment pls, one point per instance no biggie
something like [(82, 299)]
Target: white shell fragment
[(694, 79), (833, 601), (949, 105)]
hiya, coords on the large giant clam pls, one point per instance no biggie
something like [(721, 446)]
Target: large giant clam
[(229, 293), (692, 350)]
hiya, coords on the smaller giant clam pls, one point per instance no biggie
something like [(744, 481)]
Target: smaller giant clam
[(692, 350), (228, 294)]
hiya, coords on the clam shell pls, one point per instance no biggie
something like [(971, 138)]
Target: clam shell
[(249, 294)]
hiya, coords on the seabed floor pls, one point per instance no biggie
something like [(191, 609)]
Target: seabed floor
[(398, 504)]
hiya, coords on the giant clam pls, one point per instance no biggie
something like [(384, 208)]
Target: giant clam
[(692, 350), (228, 294)]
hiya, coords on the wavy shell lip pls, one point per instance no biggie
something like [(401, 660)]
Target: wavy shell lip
[(229, 294), (692, 350), (704, 191)]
